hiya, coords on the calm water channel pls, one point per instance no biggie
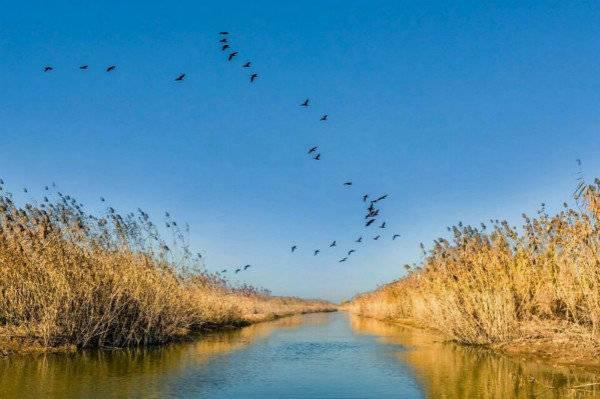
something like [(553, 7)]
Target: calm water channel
[(332, 355)]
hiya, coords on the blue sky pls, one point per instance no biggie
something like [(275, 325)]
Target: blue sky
[(461, 111)]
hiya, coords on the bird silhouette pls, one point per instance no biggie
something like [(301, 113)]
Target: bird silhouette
[(369, 222), (294, 247), (223, 40), (376, 237), (312, 149), (382, 225), (343, 259), (317, 157), (324, 117), (305, 103), (351, 252), (48, 68), (365, 197), (232, 55), (246, 267), (371, 208), (223, 33), (180, 77), (381, 198), (224, 47), (102, 199), (84, 67), (316, 252), (395, 236), (253, 77), (224, 271), (111, 68), (247, 65), (333, 244), (359, 239), (238, 270), (348, 183)]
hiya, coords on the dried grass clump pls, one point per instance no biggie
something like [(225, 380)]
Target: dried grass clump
[(490, 286), (70, 279)]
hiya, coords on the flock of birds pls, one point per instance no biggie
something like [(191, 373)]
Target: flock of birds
[(372, 211)]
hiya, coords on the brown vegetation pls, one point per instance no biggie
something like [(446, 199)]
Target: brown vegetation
[(506, 287), (70, 279)]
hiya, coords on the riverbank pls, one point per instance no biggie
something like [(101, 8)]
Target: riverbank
[(72, 280), (534, 290)]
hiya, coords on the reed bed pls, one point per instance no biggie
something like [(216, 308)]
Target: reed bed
[(507, 287), (69, 279)]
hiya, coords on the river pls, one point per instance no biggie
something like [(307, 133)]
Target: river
[(327, 355)]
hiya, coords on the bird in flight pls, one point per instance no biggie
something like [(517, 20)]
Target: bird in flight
[(369, 222), (224, 47), (294, 247), (224, 271), (180, 77), (376, 237), (83, 67), (316, 252), (223, 40), (312, 149), (223, 33), (348, 183), (371, 208), (317, 157), (246, 267), (253, 77), (333, 244), (343, 259), (382, 225), (395, 236), (247, 65), (238, 270), (365, 197), (381, 198), (111, 68), (232, 55), (305, 103), (48, 68), (359, 239), (351, 252), (324, 117)]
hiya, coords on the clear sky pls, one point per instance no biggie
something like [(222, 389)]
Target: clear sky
[(460, 111)]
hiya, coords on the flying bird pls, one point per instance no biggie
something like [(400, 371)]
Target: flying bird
[(317, 157), (253, 77), (305, 103), (316, 252), (313, 149), (247, 65), (83, 67), (224, 271), (48, 68), (343, 259), (180, 77), (359, 239), (350, 252), (238, 270), (376, 237), (365, 197), (369, 222), (348, 183), (223, 33), (395, 236), (382, 225), (246, 267), (381, 198), (324, 117), (111, 68), (232, 55), (294, 247), (224, 47), (333, 244), (223, 40)]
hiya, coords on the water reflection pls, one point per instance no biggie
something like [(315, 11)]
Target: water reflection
[(446, 370)]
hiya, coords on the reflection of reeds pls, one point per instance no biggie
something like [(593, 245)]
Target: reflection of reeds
[(134, 372), (497, 285), (448, 370), (68, 278)]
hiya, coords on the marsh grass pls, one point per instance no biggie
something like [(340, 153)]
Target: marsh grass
[(69, 279), (498, 284)]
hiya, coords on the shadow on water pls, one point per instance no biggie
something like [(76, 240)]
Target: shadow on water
[(448, 370)]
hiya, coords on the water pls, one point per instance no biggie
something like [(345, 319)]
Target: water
[(332, 355)]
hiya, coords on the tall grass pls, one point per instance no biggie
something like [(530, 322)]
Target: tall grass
[(68, 278), (498, 284)]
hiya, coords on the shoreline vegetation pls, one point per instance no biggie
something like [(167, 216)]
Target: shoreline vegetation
[(533, 291), (72, 280)]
